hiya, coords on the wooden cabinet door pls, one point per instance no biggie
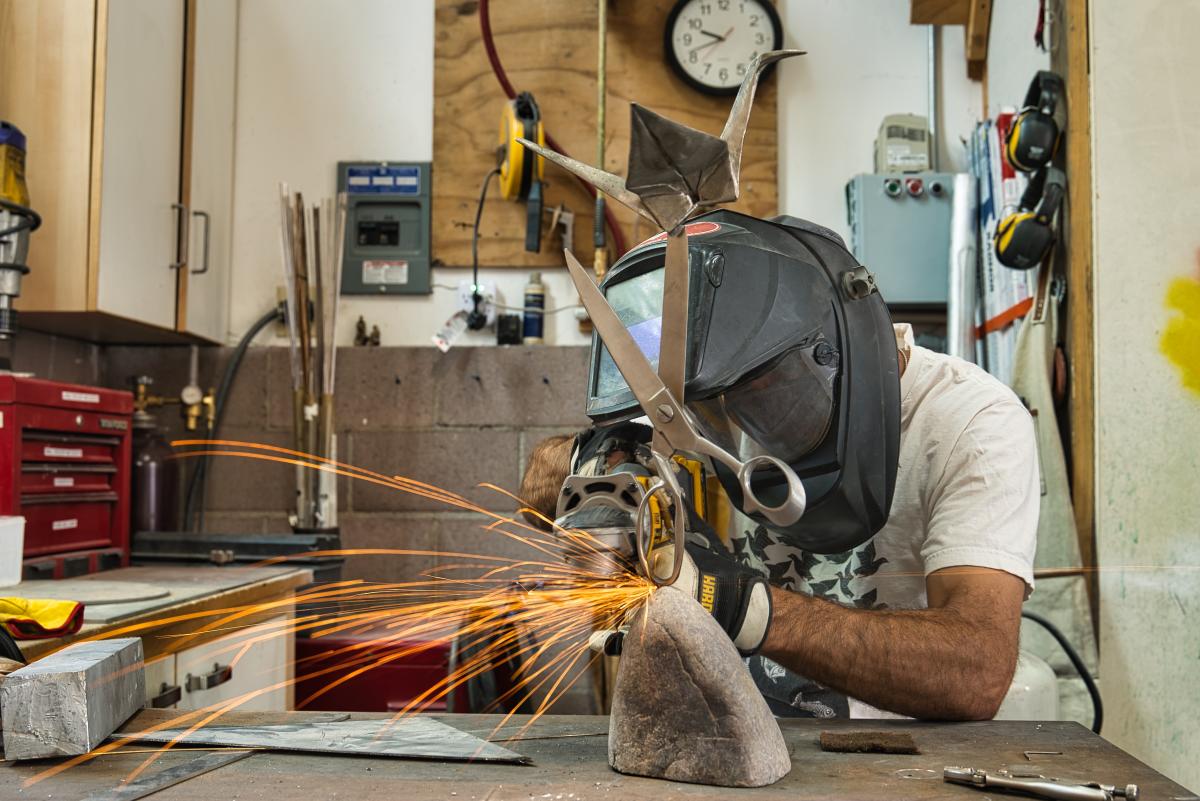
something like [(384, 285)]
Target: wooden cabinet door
[(140, 149), (208, 165)]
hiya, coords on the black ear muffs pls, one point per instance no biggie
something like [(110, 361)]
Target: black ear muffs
[(1024, 238), (1038, 128)]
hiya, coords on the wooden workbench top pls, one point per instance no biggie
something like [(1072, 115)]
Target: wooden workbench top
[(192, 589), (570, 764)]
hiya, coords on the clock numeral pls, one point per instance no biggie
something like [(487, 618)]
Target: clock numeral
[(708, 68), (687, 38), (695, 23), (753, 20), (741, 68), (760, 38), (706, 8), (723, 5), (723, 74), (692, 58)]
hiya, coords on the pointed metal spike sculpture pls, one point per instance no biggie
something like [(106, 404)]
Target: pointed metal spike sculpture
[(675, 171)]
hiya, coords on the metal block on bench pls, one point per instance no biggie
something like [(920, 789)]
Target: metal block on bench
[(68, 702)]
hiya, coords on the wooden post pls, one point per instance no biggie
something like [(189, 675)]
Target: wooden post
[(1071, 61)]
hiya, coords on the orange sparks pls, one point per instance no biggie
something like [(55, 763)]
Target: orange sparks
[(530, 617)]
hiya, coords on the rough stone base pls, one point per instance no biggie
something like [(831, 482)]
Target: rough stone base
[(684, 706)]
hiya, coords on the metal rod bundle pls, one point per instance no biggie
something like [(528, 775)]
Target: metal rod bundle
[(312, 240)]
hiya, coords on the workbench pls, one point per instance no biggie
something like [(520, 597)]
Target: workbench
[(176, 667), (570, 764)]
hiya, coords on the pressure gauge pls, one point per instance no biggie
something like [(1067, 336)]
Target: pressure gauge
[(711, 43)]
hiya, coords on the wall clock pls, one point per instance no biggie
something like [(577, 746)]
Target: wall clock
[(710, 43)]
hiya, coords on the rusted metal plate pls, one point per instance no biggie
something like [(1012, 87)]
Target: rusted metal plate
[(577, 764)]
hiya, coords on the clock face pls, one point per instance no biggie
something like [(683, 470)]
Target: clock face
[(710, 43)]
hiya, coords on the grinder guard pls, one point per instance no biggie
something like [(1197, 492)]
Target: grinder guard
[(772, 312)]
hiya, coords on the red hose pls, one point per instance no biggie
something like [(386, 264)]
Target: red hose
[(489, 45)]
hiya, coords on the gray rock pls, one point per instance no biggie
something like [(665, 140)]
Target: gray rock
[(68, 702), (684, 706)]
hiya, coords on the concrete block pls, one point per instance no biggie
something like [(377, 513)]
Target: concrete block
[(235, 523), (416, 532), (468, 534), (511, 386), (452, 460), (241, 484), (67, 703), (246, 405), (377, 388)]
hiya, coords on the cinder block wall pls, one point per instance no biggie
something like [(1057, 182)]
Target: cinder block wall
[(453, 420)]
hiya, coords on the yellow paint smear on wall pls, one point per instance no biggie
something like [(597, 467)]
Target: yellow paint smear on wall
[(1181, 340)]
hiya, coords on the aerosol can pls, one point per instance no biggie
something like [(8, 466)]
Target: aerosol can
[(534, 320)]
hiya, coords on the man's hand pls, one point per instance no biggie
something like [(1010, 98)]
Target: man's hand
[(736, 596)]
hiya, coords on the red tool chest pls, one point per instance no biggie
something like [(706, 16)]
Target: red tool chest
[(64, 467)]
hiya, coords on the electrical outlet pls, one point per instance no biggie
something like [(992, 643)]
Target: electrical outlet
[(281, 295), (466, 300)]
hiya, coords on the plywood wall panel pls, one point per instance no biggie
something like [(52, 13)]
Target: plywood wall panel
[(549, 48)]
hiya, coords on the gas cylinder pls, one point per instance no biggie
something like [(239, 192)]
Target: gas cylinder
[(155, 477)]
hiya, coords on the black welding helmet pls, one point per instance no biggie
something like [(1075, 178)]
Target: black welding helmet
[(791, 353)]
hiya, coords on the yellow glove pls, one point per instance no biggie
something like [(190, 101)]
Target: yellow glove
[(40, 618)]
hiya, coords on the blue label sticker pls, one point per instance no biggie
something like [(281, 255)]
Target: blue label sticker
[(383, 180)]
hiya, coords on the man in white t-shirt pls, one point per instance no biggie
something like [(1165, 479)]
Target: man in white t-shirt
[(924, 618)]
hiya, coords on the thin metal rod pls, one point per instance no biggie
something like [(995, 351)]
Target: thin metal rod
[(934, 160), (601, 113)]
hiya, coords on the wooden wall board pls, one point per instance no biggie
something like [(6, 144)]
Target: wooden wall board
[(1071, 60), (549, 47), (939, 12)]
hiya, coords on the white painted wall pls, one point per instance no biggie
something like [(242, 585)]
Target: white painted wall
[(864, 61), (319, 82), (1145, 114), (1013, 57)]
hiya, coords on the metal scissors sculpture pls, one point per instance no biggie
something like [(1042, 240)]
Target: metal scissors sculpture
[(676, 172)]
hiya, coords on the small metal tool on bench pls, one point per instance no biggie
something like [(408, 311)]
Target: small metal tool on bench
[(1038, 786)]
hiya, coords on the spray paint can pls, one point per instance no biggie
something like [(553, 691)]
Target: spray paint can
[(535, 301)]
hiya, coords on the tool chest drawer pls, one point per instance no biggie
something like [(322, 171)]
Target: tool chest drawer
[(58, 479), (39, 446), (60, 526)]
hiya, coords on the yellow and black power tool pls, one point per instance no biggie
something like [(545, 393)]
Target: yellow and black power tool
[(17, 221), (520, 170)]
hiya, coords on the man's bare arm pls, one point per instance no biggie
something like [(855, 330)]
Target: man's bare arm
[(952, 661)]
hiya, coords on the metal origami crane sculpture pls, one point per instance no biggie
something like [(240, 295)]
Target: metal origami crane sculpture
[(675, 171)]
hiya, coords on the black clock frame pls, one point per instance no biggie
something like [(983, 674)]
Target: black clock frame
[(677, 68)]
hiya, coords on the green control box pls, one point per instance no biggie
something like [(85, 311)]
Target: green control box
[(387, 228)]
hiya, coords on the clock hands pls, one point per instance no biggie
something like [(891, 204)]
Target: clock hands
[(716, 40)]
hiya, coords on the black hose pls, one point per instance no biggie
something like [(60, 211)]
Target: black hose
[(31, 222), (477, 319), (1076, 662), (197, 483)]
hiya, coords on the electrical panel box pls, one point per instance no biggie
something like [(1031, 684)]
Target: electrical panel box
[(387, 228), (900, 230)]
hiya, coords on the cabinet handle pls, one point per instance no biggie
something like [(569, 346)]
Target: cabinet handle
[(182, 235), (207, 228), (217, 676), (168, 695)]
